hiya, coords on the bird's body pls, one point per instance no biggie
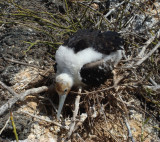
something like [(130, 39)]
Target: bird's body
[(102, 50)]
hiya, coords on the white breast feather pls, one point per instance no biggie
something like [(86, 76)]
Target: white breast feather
[(70, 62)]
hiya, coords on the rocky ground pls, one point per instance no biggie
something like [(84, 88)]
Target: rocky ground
[(30, 33)]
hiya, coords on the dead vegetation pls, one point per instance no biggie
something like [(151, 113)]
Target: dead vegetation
[(125, 108)]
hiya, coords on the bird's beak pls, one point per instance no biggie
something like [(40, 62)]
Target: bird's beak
[(61, 103)]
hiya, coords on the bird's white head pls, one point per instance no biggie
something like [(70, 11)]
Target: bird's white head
[(64, 83)]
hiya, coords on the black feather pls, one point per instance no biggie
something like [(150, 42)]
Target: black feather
[(104, 42), (96, 74)]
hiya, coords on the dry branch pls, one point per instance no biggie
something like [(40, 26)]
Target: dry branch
[(4, 125), (8, 89), (47, 120), (154, 88), (21, 63), (113, 9), (148, 43), (148, 55), (72, 126), (129, 130), (20, 97)]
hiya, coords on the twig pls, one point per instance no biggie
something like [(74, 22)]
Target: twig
[(113, 9), (153, 82), (21, 96), (134, 65), (18, 62), (148, 43), (92, 92), (8, 89), (129, 129), (74, 116), (117, 79), (80, 137), (149, 54), (123, 104), (154, 88), (4, 125), (47, 120), (83, 117)]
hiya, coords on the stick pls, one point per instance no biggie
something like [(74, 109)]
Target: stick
[(101, 90), (4, 126), (129, 129), (74, 116), (21, 96), (153, 82), (8, 88), (110, 12), (148, 43), (154, 88), (80, 137), (47, 120), (149, 54), (113, 9), (83, 117), (22, 63)]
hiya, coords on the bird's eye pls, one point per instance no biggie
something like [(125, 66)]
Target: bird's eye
[(65, 90)]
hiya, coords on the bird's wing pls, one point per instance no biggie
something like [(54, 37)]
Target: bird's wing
[(103, 42), (108, 42), (82, 39), (96, 73)]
